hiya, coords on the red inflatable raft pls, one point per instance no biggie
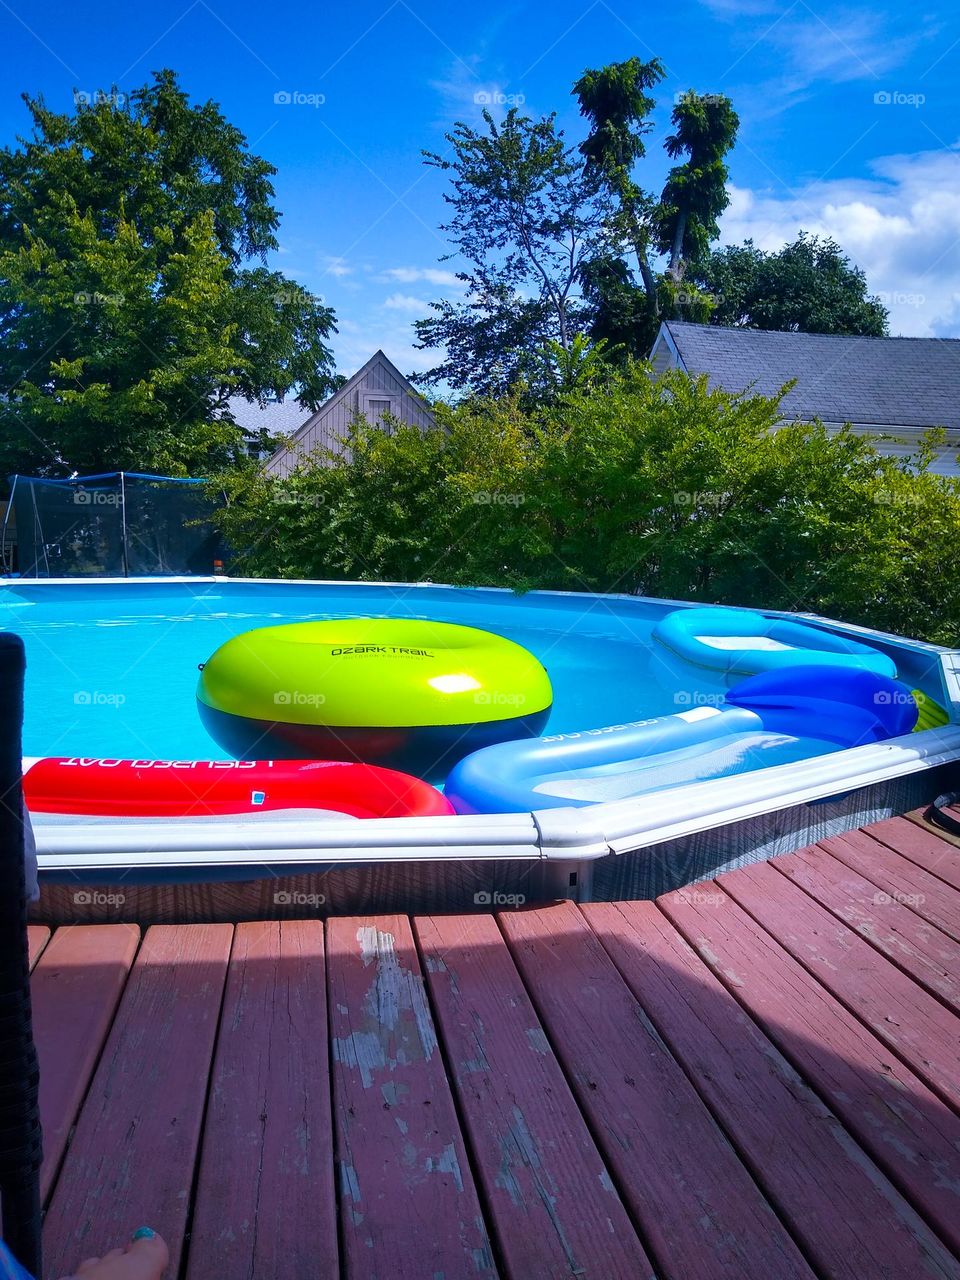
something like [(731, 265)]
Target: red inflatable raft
[(217, 788)]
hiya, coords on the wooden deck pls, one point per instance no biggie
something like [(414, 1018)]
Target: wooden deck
[(755, 1077)]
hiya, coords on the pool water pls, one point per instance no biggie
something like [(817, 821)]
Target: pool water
[(112, 669)]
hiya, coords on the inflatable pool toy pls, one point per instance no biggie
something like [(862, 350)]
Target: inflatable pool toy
[(768, 719), (408, 693), (739, 641), (931, 714), (217, 788)]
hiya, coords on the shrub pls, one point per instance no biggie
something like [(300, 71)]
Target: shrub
[(658, 487)]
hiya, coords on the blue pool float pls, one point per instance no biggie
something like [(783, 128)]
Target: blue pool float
[(785, 715), (739, 641)]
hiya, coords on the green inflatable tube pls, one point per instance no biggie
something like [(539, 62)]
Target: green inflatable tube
[(407, 693)]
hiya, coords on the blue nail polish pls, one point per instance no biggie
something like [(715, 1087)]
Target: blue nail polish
[(144, 1233)]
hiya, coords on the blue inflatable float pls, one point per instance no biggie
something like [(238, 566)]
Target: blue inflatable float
[(772, 718), (739, 641)]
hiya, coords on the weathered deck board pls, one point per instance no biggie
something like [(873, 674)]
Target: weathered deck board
[(918, 948), (908, 1130), (76, 986), (38, 935), (913, 1023), (266, 1204), (939, 857), (700, 1212), (552, 1205), (408, 1203), (850, 1222), (904, 881), (132, 1157)]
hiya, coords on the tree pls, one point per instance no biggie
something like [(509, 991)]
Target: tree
[(132, 304), (695, 193), (808, 286), (615, 102), (525, 218), (563, 240)]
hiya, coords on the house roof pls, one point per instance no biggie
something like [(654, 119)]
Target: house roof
[(895, 382), (280, 417)]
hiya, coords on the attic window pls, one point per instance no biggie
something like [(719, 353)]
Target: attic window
[(374, 405)]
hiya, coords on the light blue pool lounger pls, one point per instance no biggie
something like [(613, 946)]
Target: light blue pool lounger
[(772, 718), (743, 642)]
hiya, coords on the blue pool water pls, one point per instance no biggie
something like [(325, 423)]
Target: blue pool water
[(112, 669)]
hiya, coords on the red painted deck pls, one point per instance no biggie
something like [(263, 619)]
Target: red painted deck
[(755, 1077)]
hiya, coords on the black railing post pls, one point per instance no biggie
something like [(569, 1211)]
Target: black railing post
[(20, 1138)]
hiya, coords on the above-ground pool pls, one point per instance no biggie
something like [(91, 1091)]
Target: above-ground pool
[(112, 670)]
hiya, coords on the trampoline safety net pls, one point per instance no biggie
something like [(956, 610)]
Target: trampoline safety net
[(116, 525)]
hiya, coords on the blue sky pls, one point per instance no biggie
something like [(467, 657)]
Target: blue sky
[(850, 121)]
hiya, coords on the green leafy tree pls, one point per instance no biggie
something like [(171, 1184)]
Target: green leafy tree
[(561, 240), (695, 193), (809, 286), (524, 217), (616, 102), (132, 304)]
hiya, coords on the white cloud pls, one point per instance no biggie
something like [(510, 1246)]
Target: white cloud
[(411, 275), (902, 226), (406, 302), (337, 267)]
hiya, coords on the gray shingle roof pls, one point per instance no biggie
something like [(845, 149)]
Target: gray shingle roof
[(280, 417), (910, 382)]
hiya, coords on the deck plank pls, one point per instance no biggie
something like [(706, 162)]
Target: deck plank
[(408, 1204), (38, 935), (701, 1213), (552, 1205), (75, 989), (851, 1223), (903, 880), (132, 1157), (918, 948), (916, 1026), (265, 1199), (908, 1130), (919, 845)]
